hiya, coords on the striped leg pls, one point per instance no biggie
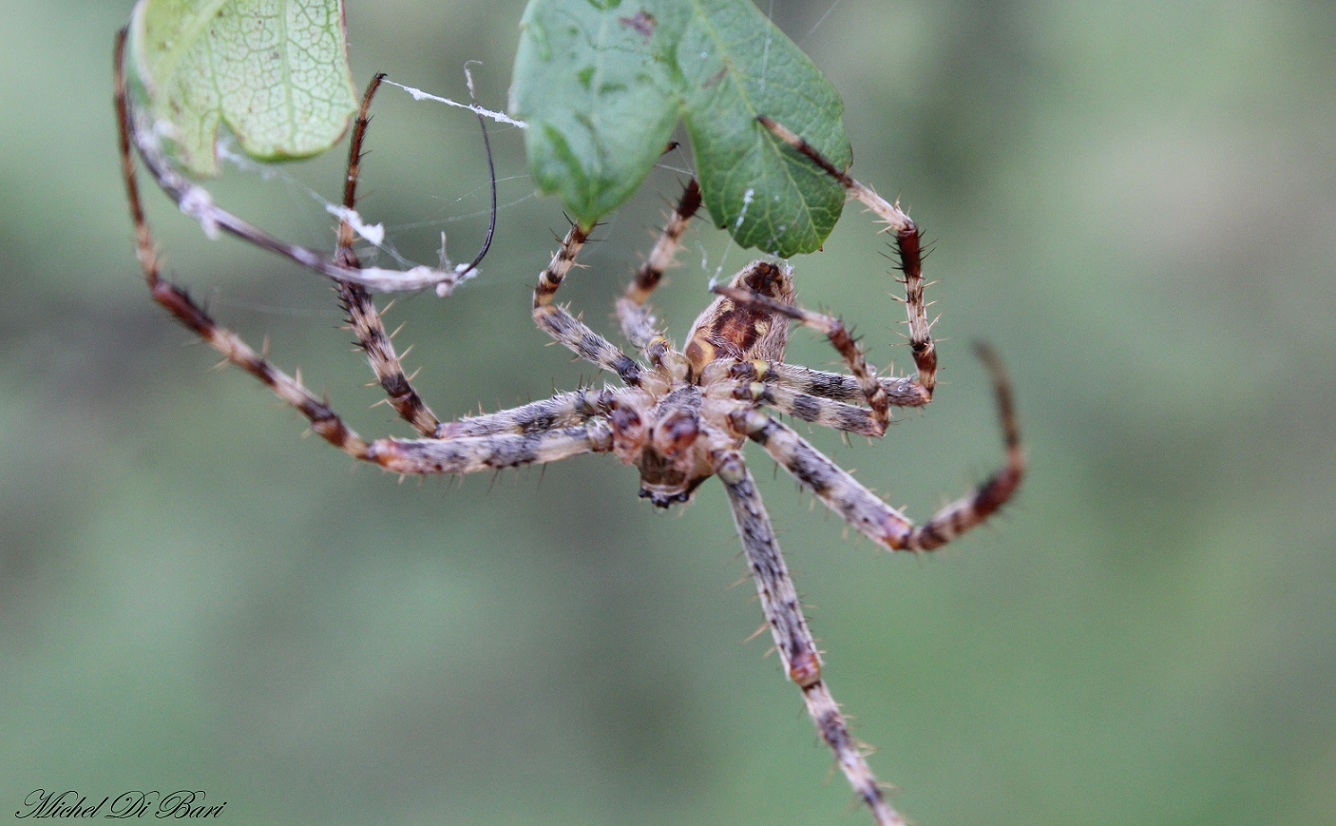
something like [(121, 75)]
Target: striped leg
[(908, 245), (864, 375), (363, 317), (470, 454), (793, 639), (562, 410), (900, 391), (858, 506), (638, 324), (565, 328), (825, 412)]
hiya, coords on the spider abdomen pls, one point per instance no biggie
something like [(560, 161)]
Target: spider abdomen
[(730, 329)]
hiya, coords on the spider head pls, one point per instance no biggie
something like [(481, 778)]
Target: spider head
[(730, 330), (663, 441)]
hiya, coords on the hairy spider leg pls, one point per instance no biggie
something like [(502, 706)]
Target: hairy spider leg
[(901, 391), (857, 505), (566, 329), (864, 375), (822, 397), (793, 639), (637, 321), (562, 410), (908, 245), (363, 317), (849, 418), (470, 454)]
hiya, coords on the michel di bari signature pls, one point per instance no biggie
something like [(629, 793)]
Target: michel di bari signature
[(184, 803)]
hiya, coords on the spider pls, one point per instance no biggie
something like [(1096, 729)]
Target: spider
[(679, 416)]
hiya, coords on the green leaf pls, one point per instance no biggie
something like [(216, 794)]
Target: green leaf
[(274, 71), (597, 85), (737, 65), (602, 84)]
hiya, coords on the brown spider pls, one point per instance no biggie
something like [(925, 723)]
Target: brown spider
[(680, 416)]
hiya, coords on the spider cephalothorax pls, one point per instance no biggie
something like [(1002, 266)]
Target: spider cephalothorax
[(679, 417), (670, 426)]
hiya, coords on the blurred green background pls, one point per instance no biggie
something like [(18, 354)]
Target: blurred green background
[(1133, 202)]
